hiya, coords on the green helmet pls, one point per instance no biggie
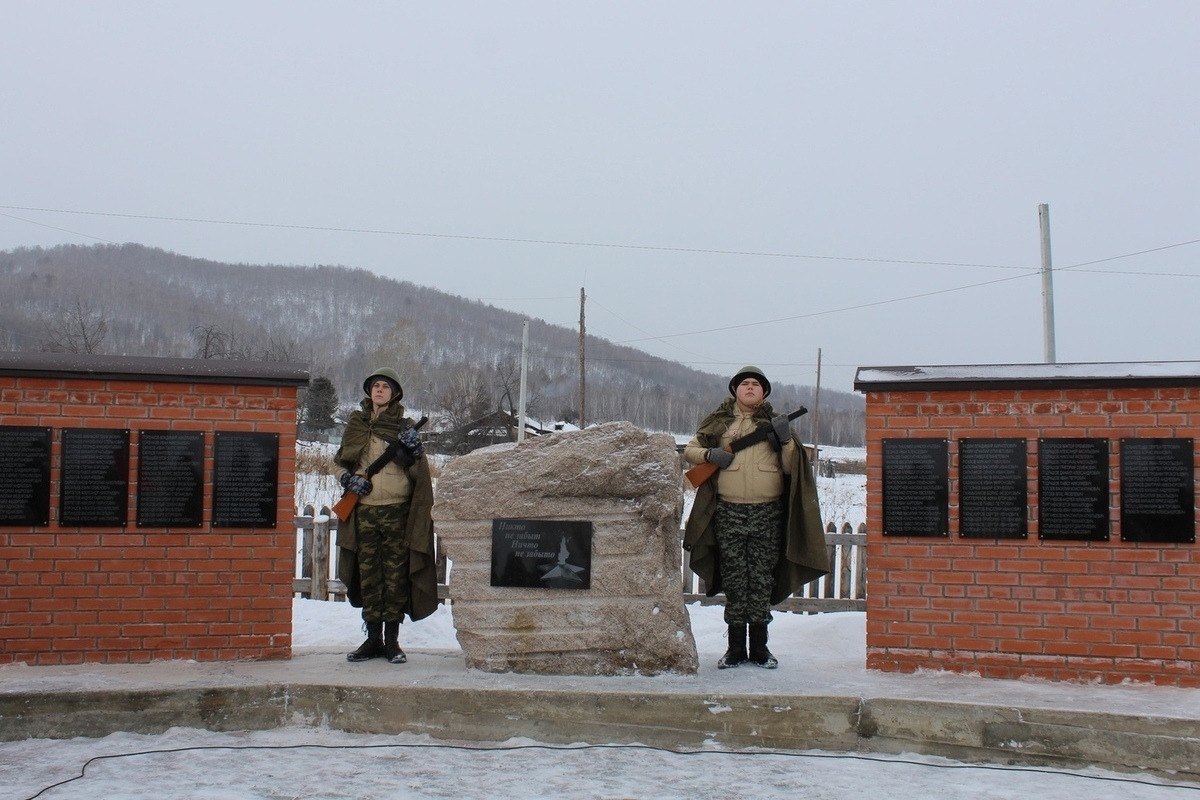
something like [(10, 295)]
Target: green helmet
[(749, 372), (389, 375)]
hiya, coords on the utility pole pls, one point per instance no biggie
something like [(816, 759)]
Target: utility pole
[(582, 382), (524, 370), (817, 415), (1047, 285)]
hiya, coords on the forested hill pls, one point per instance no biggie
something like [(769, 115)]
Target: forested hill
[(457, 357)]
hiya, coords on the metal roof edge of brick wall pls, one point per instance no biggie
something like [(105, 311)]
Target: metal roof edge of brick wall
[(184, 370), (1036, 376)]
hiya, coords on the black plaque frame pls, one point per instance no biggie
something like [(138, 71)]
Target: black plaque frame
[(539, 553), (93, 490), (1158, 490), (25, 476), (993, 488), (245, 480), (1073, 489), (916, 487), (170, 490)]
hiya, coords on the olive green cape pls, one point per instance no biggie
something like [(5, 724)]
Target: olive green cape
[(802, 551), (422, 563)]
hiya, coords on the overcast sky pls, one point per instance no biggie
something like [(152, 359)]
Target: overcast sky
[(732, 182)]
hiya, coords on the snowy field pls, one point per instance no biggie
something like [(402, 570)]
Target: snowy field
[(842, 498), (305, 763), (302, 762)]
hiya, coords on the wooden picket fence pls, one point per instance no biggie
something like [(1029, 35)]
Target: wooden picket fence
[(316, 557), (843, 589)]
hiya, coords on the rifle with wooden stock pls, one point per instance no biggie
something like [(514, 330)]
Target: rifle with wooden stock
[(395, 451), (702, 472)]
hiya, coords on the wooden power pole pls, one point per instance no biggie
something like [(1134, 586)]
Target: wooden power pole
[(817, 415), (582, 382)]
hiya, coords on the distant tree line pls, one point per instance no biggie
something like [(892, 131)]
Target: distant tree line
[(458, 359)]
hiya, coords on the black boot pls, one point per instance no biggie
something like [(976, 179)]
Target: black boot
[(391, 642), (736, 654), (372, 647), (759, 653)]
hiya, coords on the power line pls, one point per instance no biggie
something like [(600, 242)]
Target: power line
[(561, 242), (55, 228), (661, 338), (1131, 255), (506, 239), (831, 311)]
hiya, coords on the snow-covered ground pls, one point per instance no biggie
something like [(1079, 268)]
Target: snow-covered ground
[(302, 762), (308, 763)]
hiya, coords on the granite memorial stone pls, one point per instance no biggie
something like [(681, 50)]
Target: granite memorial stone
[(627, 484)]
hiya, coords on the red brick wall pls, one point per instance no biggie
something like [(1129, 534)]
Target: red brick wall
[(72, 595), (1101, 611)]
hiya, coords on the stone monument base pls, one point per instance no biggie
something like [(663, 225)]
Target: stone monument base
[(631, 618)]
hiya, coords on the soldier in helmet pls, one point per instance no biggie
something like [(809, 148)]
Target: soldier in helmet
[(387, 560), (755, 527)]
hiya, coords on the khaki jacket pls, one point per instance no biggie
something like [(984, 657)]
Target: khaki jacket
[(756, 474), (803, 553), (391, 485)]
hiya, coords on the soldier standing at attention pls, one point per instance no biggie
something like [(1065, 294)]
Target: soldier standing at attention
[(387, 560), (755, 527)]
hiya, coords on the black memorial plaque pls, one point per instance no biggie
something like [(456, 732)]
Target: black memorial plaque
[(24, 476), (1073, 489), (993, 489), (170, 479), (94, 490), (538, 553), (245, 480), (916, 477), (1158, 490)]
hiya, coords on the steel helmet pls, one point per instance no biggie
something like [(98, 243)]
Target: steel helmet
[(389, 375), (749, 372)]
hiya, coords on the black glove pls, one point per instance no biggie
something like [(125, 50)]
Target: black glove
[(781, 431), (721, 458), (412, 442), (359, 484), (345, 480)]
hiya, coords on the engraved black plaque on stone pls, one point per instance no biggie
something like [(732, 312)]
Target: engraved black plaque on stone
[(94, 491), (24, 476), (170, 479), (1073, 489), (916, 487), (1158, 490), (245, 480), (538, 553), (993, 490)]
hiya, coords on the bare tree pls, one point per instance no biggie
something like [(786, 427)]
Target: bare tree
[(279, 350), (466, 398), (77, 328), (508, 386), (212, 341), (508, 383)]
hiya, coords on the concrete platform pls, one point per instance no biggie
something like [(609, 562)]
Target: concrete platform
[(799, 706)]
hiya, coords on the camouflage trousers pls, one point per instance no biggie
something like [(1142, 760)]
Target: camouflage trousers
[(382, 537), (748, 540)]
